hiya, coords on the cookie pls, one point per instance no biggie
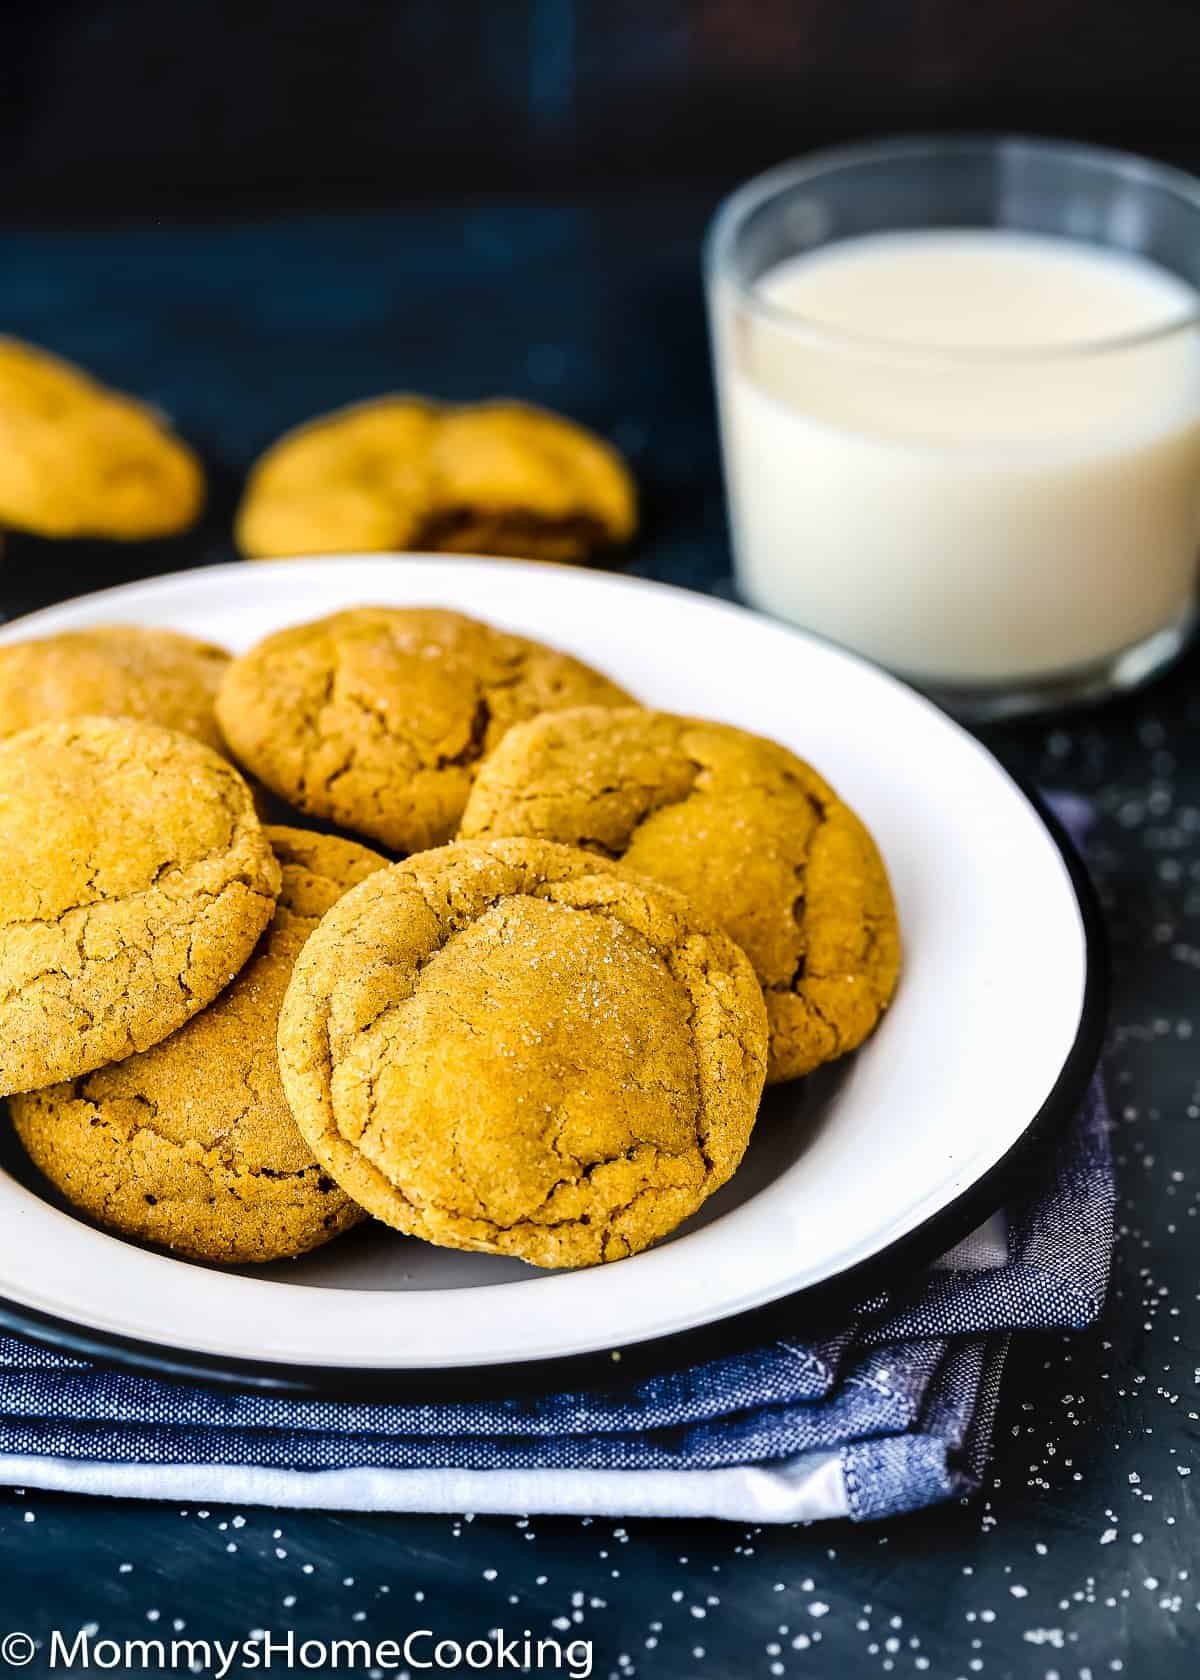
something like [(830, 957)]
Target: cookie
[(355, 481), (523, 1049), (511, 479), (402, 473), (752, 835), (113, 670), (135, 880), (375, 718), (190, 1144), (79, 460)]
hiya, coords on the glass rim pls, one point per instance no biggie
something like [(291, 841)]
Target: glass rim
[(734, 210)]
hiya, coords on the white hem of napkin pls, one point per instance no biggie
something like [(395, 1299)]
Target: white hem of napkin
[(985, 1249), (802, 1489)]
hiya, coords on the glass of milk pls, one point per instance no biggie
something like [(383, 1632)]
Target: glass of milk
[(959, 388)]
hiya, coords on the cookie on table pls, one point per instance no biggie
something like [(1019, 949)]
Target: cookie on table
[(113, 670), (135, 879), (354, 481), (375, 718), (753, 836), (523, 1049), (399, 472), (190, 1144), (80, 460), (512, 479)]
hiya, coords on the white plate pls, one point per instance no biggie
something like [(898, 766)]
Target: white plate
[(992, 1026)]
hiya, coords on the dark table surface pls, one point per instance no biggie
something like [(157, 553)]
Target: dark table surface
[(1080, 1557)]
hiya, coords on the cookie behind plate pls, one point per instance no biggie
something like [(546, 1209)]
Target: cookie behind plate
[(401, 472), (79, 460)]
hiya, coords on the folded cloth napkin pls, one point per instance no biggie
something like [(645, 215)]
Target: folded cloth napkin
[(889, 1410)]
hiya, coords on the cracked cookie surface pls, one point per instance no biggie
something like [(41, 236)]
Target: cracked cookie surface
[(79, 460), (135, 879), (190, 1144), (399, 472), (113, 670), (752, 835), (523, 1049), (375, 718)]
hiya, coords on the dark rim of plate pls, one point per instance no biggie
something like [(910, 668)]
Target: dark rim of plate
[(620, 1366)]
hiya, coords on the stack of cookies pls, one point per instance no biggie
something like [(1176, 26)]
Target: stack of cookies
[(232, 1025)]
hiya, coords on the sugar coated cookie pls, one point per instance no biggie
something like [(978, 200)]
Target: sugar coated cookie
[(135, 879), (113, 670), (375, 719), (190, 1143), (753, 836), (524, 1049)]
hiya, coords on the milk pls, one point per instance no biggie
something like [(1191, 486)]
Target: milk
[(951, 450)]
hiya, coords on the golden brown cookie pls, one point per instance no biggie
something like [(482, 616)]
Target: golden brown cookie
[(355, 481), (752, 835), (376, 718), (113, 670), (399, 472), (524, 1049), (135, 880), (79, 460), (190, 1144), (511, 479)]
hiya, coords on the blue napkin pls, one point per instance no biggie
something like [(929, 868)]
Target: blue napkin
[(888, 1410)]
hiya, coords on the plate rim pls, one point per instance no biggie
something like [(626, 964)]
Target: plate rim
[(655, 1355)]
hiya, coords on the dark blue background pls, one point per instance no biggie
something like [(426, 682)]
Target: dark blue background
[(123, 106)]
